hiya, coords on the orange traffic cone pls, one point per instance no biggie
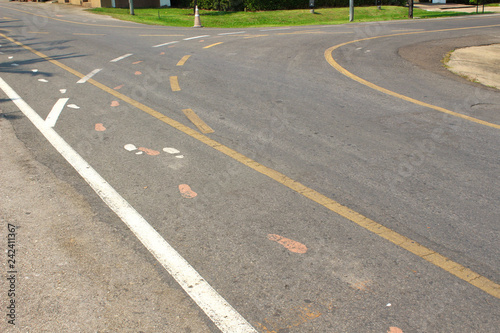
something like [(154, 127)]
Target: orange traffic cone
[(197, 22)]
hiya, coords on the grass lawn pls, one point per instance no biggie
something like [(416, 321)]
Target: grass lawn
[(184, 17)]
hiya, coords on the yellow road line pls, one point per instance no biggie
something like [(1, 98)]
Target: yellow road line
[(174, 83), (334, 64), (209, 46), (183, 60), (37, 32), (406, 243), (193, 117)]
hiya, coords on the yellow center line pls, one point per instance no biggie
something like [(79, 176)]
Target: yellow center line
[(406, 243), (334, 64), (193, 117), (174, 83), (183, 60), (209, 46), (37, 32)]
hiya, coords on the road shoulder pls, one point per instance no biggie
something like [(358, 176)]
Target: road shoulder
[(73, 269)]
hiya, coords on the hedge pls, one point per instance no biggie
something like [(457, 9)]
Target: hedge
[(257, 5)]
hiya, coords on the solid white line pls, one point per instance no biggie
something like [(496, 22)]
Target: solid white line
[(55, 112), (217, 308), (166, 44), (190, 38), (121, 58), (89, 75), (276, 29), (232, 33)]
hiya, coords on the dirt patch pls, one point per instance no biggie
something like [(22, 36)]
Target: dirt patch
[(429, 55)]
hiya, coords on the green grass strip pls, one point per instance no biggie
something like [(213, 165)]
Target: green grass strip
[(178, 17)]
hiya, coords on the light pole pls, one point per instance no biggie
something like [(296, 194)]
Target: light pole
[(131, 5), (351, 10)]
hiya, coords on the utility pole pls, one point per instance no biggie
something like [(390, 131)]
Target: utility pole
[(131, 5), (351, 10), (410, 8)]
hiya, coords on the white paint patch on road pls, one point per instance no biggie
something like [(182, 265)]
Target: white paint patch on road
[(62, 91), (121, 58), (56, 112), (14, 64), (89, 75), (130, 147), (73, 106), (276, 29), (34, 70), (166, 44), (171, 150), (232, 33), (42, 80), (191, 38), (224, 316)]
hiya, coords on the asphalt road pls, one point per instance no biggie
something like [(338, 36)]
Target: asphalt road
[(277, 197)]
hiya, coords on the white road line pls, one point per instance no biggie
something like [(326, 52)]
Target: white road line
[(216, 308), (166, 44), (55, 112), (232, 33), (276, 29), (89, 75), (190, 38), (121, 58)]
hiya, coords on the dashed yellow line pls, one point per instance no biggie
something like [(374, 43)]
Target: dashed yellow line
[(193, 117), (334, 64), (174, 83), (209, 46), (406, 243), (183, 60), (38, 32)]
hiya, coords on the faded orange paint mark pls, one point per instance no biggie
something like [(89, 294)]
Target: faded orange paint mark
[(115, 103), (293, 318), (394, 330), (186, 191), (289, 244), (100, 127), (138, 73), (149, 151), (264, 328), (162, 53), (362, 285), (137, 62), (119, 87)]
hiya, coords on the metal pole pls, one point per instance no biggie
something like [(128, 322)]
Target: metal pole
[(131, 4), (351, 10)]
